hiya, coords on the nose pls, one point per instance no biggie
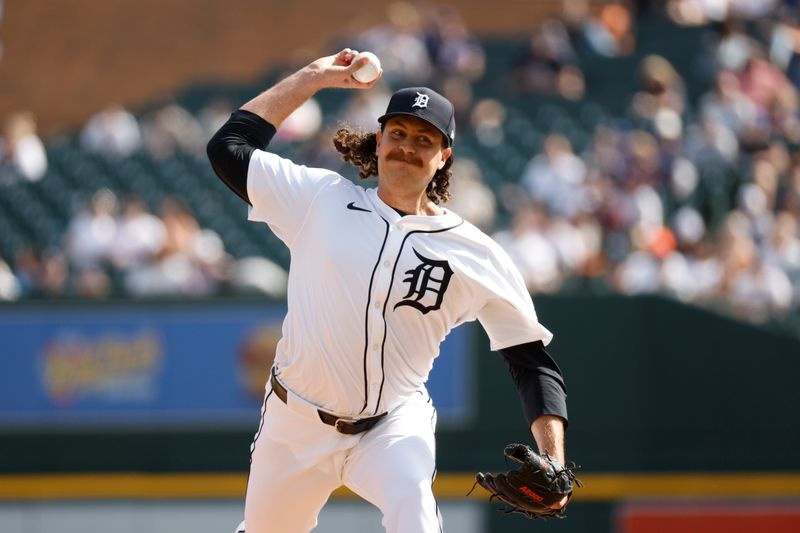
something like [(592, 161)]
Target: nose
[(403, 142), (407, 146)]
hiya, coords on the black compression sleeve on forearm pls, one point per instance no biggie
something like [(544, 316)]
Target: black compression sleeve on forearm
[(539, 380), (229, 150)]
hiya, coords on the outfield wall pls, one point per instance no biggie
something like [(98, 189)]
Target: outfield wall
[(672, 409)]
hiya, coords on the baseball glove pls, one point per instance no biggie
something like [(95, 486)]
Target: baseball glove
[(531, 488)]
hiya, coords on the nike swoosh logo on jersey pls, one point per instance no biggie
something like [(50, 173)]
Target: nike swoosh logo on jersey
[(353, 207)]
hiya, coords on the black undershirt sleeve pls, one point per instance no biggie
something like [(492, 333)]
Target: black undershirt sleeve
[(230, 149), (539, 381)]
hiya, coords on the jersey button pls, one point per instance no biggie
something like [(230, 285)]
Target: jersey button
[(376, 347), (387, 264), (377, 305)]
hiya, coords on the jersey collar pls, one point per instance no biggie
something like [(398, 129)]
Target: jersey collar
[(412, 222)]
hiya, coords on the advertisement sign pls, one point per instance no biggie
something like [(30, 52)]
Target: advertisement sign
[(200, 365)]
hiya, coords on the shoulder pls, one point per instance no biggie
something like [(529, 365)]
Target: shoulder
[(468, 231), (485, 247), (266, 163)]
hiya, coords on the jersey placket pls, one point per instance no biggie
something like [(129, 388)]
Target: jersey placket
[(377, 318)]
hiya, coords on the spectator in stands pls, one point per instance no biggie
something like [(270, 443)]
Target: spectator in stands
[(763, 83), (91, 283), (652, 241), (459, 91), (662, 90), (22, 153), (712, 147), (471, 198), (556, 177), (171, 129), (182, 229), (754, 9), (191, 262), (644, 162), (452, 49), (638, 273), (41, 273), (699, 12), (140, 236), (92, 232), (604, 155), (681, 274), (10, 287), (611, 32), (791, 194), (784, 45), (755, 290), (734, 46), (113, 133), (487, 121), (782, 247), (574, 248), (400, 43), (26, 269), (727, 105), (531, 251), (547, 63), (696, 12), (259, 275)]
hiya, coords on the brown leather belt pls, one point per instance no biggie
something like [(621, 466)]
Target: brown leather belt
[(344, 425)]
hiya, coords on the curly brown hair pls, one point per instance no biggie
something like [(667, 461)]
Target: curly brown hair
[(358, 148)]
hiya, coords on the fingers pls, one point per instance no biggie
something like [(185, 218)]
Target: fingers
[(345, 57), (338, 70)]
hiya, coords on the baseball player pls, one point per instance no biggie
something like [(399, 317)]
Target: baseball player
[(378, 278)]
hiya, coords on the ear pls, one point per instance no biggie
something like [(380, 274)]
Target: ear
[(446, 153), (378, 136)]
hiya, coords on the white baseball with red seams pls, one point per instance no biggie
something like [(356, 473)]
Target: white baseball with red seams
[(369, 71), (371, 296)]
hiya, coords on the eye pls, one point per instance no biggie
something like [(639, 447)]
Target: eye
[(423, 140)]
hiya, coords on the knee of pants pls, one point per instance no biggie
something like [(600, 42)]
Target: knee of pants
[(288, 518), (406, 497)]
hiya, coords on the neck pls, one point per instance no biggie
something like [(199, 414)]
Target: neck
[(419, 205)]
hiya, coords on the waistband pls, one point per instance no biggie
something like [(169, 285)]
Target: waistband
[(344, 425)]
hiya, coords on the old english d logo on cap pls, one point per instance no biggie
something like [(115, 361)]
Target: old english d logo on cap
[(421, 101), (426, 104)]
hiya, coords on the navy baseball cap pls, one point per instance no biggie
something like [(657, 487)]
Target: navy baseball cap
[(426, 104)]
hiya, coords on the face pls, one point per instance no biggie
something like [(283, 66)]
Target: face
[(410, 151)]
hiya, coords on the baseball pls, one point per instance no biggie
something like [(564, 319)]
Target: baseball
[(370, 71)]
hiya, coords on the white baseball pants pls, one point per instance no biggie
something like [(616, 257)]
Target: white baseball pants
[(297, 461)]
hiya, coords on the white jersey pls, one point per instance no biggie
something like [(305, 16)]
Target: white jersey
[(372, 294)]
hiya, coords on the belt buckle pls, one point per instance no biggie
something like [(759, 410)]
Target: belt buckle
[(345, 422)]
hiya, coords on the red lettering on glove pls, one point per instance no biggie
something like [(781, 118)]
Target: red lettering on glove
[(530, 494)]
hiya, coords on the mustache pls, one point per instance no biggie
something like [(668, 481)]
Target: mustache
[(397, 155)]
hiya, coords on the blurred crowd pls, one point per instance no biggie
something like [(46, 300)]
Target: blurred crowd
[(698, 198), (167, 253)]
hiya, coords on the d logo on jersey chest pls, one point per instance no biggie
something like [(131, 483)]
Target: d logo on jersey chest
[(430, 276)]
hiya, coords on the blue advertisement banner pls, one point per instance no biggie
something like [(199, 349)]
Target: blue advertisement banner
[(199, 366)]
